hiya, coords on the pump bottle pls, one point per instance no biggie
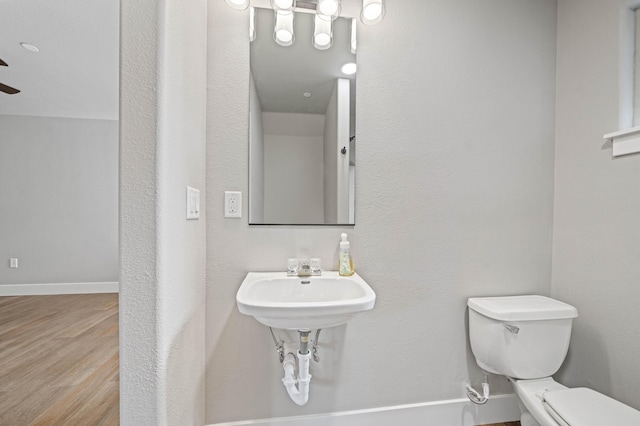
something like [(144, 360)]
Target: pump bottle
[(346, 262)]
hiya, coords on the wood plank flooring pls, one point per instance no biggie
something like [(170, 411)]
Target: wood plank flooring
[(59, 360)]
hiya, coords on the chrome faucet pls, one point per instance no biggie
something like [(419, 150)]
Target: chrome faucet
[(304, 267), (304, 270)]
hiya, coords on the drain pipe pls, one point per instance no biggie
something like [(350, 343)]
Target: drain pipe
[(300, 393), (475, 397)]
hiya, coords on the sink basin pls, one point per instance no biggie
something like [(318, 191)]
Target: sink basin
[(303, 303)]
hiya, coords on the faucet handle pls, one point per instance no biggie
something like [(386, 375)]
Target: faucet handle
[(315, 266), (292, 266)]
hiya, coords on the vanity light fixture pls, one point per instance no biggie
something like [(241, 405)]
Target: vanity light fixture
[(283, 29), (238, 4), (372, 11), (325, 10), (322, 32)]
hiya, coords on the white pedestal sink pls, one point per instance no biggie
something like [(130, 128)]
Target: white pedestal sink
[(303, 303)]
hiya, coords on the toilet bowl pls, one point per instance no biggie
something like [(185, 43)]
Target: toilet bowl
[(526, 338)]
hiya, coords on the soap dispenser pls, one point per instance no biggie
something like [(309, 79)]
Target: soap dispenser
[(346, 263)]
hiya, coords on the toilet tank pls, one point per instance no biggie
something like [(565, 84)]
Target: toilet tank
[(523, 337)]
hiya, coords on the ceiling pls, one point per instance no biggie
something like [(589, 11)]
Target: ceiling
[(75, 74)]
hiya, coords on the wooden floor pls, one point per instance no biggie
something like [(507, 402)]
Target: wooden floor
[(59, 360)]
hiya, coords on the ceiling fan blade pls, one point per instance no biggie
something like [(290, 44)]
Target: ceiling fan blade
[(3, 63), (8, 90)]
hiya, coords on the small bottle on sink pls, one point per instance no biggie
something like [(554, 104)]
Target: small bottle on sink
[(345, 268)]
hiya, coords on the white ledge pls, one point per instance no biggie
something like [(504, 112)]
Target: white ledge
[(624, 142), (620, 133)]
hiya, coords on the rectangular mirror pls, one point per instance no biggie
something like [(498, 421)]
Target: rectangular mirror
[(302, 126)]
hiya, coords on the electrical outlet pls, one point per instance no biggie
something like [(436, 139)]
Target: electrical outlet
[(233, 204), (13, 262)]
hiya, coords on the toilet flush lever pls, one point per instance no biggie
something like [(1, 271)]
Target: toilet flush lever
[(512, 328)]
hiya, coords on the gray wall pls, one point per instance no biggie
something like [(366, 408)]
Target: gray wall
[(330, 162), (456, 106), (162, 106), (293, 181), (596, 233), (636, 83), (256, 158), (59, 200)]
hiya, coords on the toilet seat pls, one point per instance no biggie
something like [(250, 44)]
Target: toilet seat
[(552, 404), (530, 392), (586, 407)]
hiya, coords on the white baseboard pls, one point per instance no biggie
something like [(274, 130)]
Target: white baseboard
[(57, 288), (454, 412)]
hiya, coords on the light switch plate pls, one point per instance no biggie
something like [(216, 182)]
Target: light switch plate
[(13, 262), (193, 203), (233, 204)]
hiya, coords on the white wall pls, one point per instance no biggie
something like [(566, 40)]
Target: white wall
[(293, 182), (331, 157), (343, 120), (336, 164), (256, 157), (59, 200), (456, 106), (636, 83), (595, 244), (163, 101)]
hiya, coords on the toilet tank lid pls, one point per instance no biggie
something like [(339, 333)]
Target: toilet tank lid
[(522, 308)]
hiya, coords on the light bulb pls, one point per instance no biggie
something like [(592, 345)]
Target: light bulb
[(323, 39), (283, 29), (372, 11), (322, 32), (284, 36), (328, 7), (284, 4), (238, 4)]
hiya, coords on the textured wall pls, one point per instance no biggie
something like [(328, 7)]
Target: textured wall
[(59, 200), (292, 168), (636, 65), (138, 228), (454, 199), (163, 255), (596, 233), (256, 158), (181, 251)]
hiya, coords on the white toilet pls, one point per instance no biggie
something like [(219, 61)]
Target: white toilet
[(526, 338)]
